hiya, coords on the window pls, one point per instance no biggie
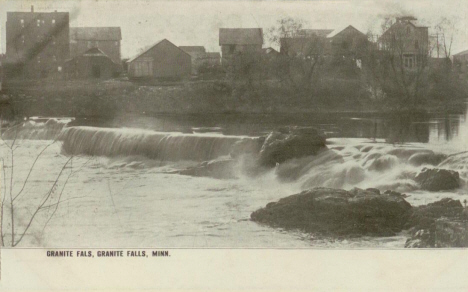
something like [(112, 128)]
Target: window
[(59, 68), (409, 61), (38, 59), (22, 39), (54, 58), (53, 21), (22, 22), (38, 22)]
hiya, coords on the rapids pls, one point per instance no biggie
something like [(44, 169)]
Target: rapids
[(121, 190)]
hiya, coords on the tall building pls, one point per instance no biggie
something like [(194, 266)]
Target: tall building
[(37, 43)]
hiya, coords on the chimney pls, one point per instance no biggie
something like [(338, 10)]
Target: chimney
[(32, 8)]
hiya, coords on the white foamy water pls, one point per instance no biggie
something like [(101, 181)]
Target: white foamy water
[(119, 189)]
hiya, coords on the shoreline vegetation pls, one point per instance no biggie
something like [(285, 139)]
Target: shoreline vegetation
[(111, 98)]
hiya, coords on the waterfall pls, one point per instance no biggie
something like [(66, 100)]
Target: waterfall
[(151, 144)]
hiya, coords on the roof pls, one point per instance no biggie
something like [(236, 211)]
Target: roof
[(314, 32), (94, 52), (95, 33), (193, 49), (338, 31), (462, 53), (147, 48), (240, 36), (269, 50)]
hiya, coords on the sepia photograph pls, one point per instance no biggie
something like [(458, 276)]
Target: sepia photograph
[(132, 128)]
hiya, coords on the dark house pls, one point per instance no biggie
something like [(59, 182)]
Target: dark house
[(106, 39), (93, 63), (349, 42), (163, 60), (197, 53), (37, 43), (239, 40), (406, 39)]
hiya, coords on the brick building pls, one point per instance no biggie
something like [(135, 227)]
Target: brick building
[(106, 39), (37, 43)]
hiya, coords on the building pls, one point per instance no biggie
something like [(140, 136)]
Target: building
[(349, 42), (239, 40), (163, 60), (197, 53), (460, 65), (93, 63), (406, 39), (37, 43), (107, 39)]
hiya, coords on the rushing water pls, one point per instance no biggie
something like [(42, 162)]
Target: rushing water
[(119, 189)]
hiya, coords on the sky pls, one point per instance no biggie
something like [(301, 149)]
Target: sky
[(144, 22)]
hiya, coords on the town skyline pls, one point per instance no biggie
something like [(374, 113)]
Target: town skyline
[(202, 19)]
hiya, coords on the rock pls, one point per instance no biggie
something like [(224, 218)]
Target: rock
[(337, 212), (221, 169), (451, 233), (438, 179), (297, 142), (423, 220), (419, 159)]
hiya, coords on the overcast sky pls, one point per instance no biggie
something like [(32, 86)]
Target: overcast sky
[(144, 22)]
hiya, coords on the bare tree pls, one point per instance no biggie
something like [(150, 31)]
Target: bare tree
[(10, 197)]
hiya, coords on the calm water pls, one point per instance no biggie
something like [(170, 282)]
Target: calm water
[(118, 190)]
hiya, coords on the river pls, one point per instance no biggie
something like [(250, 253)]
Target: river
[(119, 187)]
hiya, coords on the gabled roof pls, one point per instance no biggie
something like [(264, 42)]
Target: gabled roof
[(94, 52), (462, 53), (240, 36), (269, 50), (146, 49), (193, 49), (349, 27), (95, 33)]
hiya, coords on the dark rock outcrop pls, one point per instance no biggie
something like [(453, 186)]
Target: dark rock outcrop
[(438, 179), (423, 220), (336, 212), (419, 159), (290, 143)]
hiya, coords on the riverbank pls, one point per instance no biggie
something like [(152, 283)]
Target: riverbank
[(111, 98)]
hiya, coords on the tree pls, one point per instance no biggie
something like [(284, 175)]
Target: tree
[(398, 65), (301, 54), (50, 200)]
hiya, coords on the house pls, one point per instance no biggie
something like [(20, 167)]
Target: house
[(37, 43), (348, 42), (163, 60), (239, 40), (197, 53), (107, 39), (460, 65), (93, 63), (407, 40)]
